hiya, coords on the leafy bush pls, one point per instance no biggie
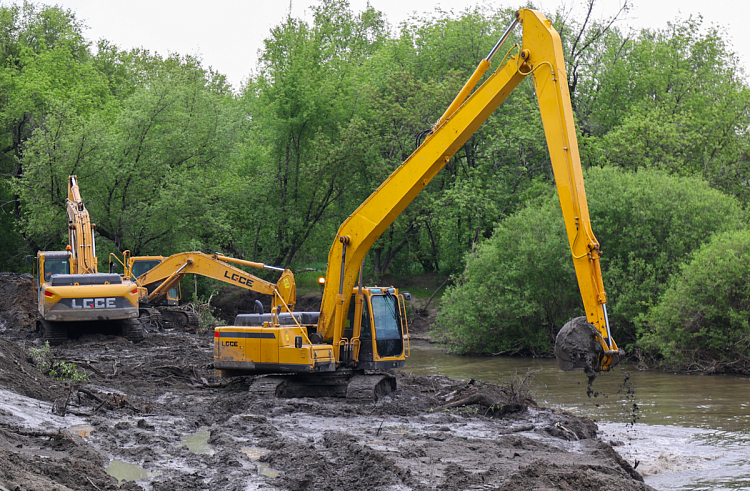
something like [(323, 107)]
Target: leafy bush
[(519, 287), (701, 321), (45, 361), (649, 223), (205, 311)]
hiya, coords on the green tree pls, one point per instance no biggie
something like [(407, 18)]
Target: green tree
[(44, 68), (151, 164), (674, 99), (306, 106)]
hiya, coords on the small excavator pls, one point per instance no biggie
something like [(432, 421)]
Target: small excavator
[(158, 279), (362, 330), (72, 296)]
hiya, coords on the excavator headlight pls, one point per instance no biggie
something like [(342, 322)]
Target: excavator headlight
[(321, 281)]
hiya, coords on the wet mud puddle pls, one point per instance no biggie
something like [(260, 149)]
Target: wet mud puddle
[(198, 442), (123, 471)]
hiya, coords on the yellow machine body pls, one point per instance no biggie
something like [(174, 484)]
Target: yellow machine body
[(281, 343), (68, 286), (541, 56)]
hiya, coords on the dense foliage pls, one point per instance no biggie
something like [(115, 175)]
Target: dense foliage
[(702, 322), (519, 287), (172, 158)]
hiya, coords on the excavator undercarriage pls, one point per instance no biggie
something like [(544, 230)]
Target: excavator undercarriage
[(354, 385)]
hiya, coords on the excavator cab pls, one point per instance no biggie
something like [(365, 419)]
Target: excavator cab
[(143, 264), (382, 327)]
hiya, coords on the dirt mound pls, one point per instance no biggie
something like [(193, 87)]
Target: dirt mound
[(145, 403), (17, 374), (17, 306)]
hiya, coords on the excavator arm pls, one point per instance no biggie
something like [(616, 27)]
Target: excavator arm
[(81, 232), (540, 56), (171, 270)]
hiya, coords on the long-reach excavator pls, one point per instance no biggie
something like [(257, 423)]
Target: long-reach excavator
[(158, 279), (364, 328), (72, 296)]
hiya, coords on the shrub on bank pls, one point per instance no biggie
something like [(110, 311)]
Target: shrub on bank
[(701, 322)]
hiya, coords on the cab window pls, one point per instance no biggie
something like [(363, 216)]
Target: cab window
[(142, 267), (385, 314), (55, 266)]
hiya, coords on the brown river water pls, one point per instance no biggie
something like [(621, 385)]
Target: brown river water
[(691, 432)]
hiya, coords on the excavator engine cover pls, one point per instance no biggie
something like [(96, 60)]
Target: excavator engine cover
[(577, 347)]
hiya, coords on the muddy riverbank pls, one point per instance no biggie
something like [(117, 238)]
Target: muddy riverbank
[(155, 411)]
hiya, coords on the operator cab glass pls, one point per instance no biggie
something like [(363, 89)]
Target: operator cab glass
[(55, 266), (389, 339), (142, 267), (386, 318)]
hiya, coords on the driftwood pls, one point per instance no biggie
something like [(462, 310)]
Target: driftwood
[(112, 402), (36, 433), (491, 403), (516, 429)]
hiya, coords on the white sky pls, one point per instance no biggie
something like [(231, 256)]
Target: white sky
[(227, 34)]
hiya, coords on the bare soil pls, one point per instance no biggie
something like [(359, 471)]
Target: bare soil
[(142, 402)]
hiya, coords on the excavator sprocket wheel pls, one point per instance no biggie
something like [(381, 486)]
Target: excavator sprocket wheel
[(577, 347)]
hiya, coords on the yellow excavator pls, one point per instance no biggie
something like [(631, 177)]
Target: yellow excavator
[(72, 296), (158, 279), (363, 328)]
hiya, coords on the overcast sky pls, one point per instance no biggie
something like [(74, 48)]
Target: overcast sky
[(227, 34)]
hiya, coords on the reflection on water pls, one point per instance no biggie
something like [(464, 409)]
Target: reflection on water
[(198, 442), (692, 431), (123, 471), (701, 401)]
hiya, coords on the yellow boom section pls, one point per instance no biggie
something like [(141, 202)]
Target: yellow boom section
[(81, 232), (172, 269), (541, 55)]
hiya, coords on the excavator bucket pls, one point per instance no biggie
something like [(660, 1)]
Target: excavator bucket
[(579, 346)]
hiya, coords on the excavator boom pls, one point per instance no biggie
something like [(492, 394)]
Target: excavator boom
[(163, 274), (540, 56)]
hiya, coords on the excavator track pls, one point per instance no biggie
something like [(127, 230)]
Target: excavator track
[(132, 330), (184, 320), (151, 319), (349, 384), (55, 333)]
